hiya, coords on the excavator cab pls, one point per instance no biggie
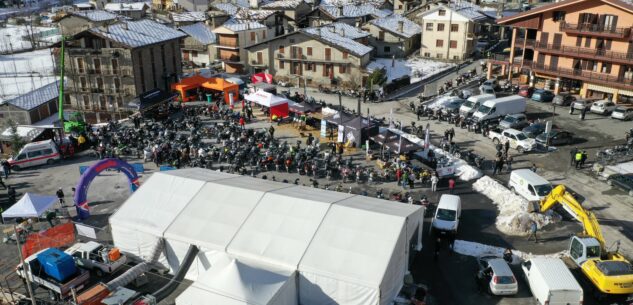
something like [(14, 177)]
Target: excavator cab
[(582, 249)]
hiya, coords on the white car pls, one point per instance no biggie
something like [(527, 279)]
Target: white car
[(518, 140), (622, 113), (602, 107), (495, 276)]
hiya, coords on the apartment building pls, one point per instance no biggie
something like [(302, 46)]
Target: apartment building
[(403, 6), (107, 67), (199, 47), (449, 31), (393, 36), (317, 56), (79, 21), (580, 46), (295, 10)]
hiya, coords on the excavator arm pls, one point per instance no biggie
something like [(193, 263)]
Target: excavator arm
[(589, 222)]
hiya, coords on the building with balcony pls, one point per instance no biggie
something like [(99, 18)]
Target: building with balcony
[(314, 56), (393, 36), (199, 47), (581, 46), (107, 67), (449, 31)]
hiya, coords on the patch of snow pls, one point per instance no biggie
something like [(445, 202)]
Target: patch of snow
[(15, 37), (418, 68), (514, 217), (24, 72), (476, 249)]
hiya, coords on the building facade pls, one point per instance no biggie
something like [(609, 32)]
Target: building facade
[(199, 47), (79, 21), (107, 67), (314, 56), (32, 107), (581, 46), (449, 32), (393, 36)]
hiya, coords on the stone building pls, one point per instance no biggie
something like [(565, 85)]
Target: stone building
[(199, 47), (393, 36), (79, 21)]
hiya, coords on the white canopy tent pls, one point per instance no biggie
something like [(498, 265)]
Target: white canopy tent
[(266, 99), (233, 282), (30, 205)]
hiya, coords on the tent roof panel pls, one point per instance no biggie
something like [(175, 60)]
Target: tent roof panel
[(30, 205)]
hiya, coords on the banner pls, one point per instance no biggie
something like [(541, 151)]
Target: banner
[(57, 236), (86, 231), (323, 128), (341, 133)]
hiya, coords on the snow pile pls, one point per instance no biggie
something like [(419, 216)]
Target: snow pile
[(513, 218), (476, 249), (16, 37), (463, 170), (418, 68)]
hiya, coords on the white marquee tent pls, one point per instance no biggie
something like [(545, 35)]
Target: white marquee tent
[(30, 205), (321, 247), (266, 99)]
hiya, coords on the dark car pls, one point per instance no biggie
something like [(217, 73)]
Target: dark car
[(556, 137), (526, 91), (563, 99), (534, 130), (624, 182), (542, 96)]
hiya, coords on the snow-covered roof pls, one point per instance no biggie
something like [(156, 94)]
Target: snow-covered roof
[(83, 5), (392, 24), (282, 4), (228, 8), (251, 14), (467, 10), (119, 7), (96, 15), (200, 32), (139, 33), (36, 97), (238, 25), (375, 3), (332, 38), (353, 11), (346, 30), (189, 16)]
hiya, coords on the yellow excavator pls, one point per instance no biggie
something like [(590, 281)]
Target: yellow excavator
[(610, 272)]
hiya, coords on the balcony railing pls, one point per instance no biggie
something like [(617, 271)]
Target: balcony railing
[(588, 53), (585, 75), (595, 30), (233, 58), (529, 43)]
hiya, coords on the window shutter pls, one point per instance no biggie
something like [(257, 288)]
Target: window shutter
[(578, 41)]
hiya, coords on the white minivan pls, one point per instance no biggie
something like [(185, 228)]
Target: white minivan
[(447, 214), (36, 153), (529, 184), (472, 104), (551, 282)]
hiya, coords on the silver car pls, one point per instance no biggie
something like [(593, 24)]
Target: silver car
[(495, 276), (516, 121), (622, 113)]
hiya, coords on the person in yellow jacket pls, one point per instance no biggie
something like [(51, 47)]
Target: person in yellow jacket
[(81, 140), (578, 158)]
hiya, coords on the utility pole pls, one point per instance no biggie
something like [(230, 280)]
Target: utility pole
[(25, 267), (60, 108)]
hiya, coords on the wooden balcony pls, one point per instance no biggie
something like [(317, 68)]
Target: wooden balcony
[(529, 43), (584, 75), (228, 41), (595, 30), (586, 53)]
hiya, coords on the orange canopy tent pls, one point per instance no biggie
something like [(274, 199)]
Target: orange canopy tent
[(188, 87), (219, 84)]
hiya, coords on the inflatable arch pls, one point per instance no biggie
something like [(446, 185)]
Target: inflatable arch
[(81, 191)]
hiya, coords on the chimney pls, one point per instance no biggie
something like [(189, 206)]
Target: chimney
[(341, 32), (253, 3), (401, 26), (124, 25), (500, 8), (340, 10)]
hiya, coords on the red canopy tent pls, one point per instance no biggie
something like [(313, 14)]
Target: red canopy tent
[(278, 105), (262, 77)]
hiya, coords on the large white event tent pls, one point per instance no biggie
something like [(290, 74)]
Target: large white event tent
[(265, 242)]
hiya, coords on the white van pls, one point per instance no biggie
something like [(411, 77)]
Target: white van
[(529, 184), (500, 107), (36, 153), (447, 214), (472, 104), (551, 282)]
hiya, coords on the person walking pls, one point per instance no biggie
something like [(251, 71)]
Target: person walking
[(572, 155), (571, 108), (533, 229), (451, 185), (418, 112), (60, 196), (242, 122), (583, 158), (533, 168), (6, 168), (578, 158), (509, 160), (506, 147), (411, 179), (2, 183), (583, 113), (451, 242), (438, 244), (434, 181), (405, 180), (498, 166)]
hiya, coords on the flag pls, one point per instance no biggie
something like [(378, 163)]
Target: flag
[(427, 138)]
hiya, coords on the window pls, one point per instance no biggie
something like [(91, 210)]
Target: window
[(80, 65), (438, 55), (454, 27), (253, 36), (281, 49), (387, 49), (309, 51), (328, 54), (439, 43), (100, 83), (399, 6), (341, 69), (453, 44), (441, 13), (440, 27), (86, 102), (115, 65), (579, 41), (455, 57), (281, 64), (576, 249), (260, 58), (84, 84), (97, 64), (345, 55), (34, 154), (559, 16), (429, 26), (194, 53), (263, 34), (427, 54), (47, 151), (587, 42), (309, 66), (117, 84), (102, 103), (606, 68), (381, 35)]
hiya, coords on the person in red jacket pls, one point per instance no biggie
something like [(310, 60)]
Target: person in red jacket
[(242, 122), (451, 185)]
